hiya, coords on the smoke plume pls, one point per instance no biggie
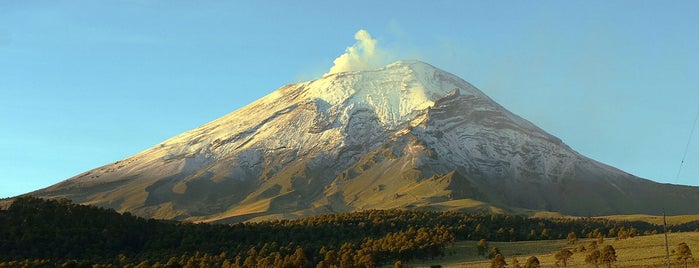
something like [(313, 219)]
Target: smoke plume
[(363, 55)]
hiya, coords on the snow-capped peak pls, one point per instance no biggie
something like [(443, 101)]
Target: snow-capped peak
[(405, 135), (395, 92)]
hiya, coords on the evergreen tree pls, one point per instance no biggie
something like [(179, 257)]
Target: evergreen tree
[(494, 252), (684, 254), (498, 261), (600, 239), (364, 259), (532, 234), (563, 256), (479, 231), (622, 233), (482, 246), (330, 258), (347, 261), (515, 262), (572, 238), (532, 262), (633, 232), (592, 245), (594, 257), (299, 258), (608, 255)]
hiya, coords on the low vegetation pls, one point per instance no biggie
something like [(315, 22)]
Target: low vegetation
[(641, 251), (49, 233)]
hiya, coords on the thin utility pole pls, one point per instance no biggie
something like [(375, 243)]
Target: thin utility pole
[(667, 247), (686, 148)]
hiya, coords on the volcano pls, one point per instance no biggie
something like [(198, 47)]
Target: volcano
[(407, 135)]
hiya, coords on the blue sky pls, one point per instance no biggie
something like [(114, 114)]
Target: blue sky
[(86, 83)]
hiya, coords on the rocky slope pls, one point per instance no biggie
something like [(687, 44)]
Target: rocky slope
[(406, 135)]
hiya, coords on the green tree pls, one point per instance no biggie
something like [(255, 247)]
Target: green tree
[(622, 233), (545, 234), (479, 232), (494, 252), (299, 258), (608, 255), (482, 246), (515, 262), (532, 262), (593, 258), (347, 260), (172, 262), (366, 261), (683, 253), (592, 245), (633, 232), (572, 238), (498, 261), (330, 258), (250, 261), (501, 233), (563, 256)]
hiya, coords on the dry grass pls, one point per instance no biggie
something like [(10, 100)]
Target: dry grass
[(645, 251), (658, 220)]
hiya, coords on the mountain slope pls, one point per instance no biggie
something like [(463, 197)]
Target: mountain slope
[(406, 135)]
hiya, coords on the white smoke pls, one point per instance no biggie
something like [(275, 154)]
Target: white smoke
[(363, 55)]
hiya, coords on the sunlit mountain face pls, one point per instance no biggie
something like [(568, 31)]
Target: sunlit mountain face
[(407, 135)]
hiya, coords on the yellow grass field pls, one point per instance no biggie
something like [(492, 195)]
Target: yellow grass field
[(643, 251), (654, 219)]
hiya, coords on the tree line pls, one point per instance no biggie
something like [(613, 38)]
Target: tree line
[(48, 233)]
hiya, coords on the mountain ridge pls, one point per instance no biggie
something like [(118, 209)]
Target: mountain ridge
[(405, 135)]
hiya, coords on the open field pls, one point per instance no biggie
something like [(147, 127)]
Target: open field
[(644, 251), (654, 219)]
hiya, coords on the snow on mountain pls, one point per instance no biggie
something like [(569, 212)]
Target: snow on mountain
[(405, 135)]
